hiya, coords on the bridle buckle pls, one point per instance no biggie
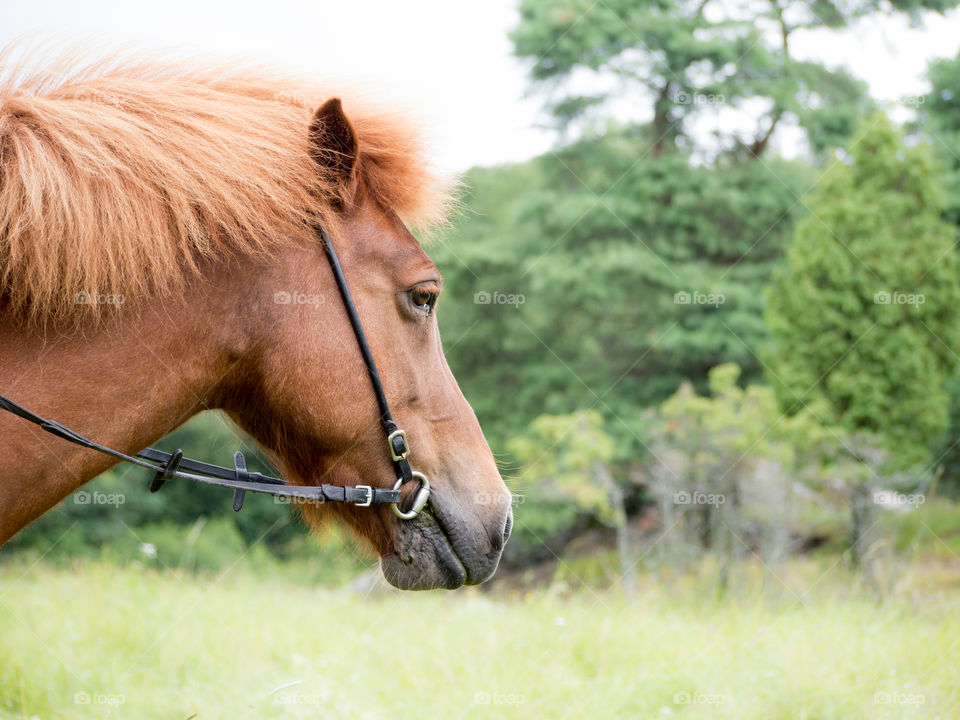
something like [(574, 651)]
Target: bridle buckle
[(369, 501), (404, 453)]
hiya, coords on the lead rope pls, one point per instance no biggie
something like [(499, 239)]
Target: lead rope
[(170, 465)]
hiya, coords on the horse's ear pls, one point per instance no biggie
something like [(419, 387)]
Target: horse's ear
[(333, 143)]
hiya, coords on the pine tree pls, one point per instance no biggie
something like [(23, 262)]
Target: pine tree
[(864, 313)]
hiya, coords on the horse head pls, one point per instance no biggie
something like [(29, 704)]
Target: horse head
[(305, 395)]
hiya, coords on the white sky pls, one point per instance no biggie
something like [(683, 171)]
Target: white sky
[(450, 60)]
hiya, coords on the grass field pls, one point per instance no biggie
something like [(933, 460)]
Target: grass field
[(97, 641)]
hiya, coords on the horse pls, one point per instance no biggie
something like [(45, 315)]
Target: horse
[(159, 257)]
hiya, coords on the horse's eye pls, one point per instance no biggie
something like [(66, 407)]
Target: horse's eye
[(424, 298)]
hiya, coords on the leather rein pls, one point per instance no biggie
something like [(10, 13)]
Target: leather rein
[(173, 465)]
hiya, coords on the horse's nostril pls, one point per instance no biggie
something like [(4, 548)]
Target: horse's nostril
[(500, 539)]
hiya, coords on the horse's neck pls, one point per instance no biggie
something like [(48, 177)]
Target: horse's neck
[(124, 385)]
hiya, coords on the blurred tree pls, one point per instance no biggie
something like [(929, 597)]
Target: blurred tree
[(947, 453), (569, 456), (683, 58), (584, 279), (725, 467), (861, 469), (938, 117), (941, 106), (722, 468), (863, 314)]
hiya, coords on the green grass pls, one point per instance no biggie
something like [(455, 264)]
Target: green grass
[(138, 643)]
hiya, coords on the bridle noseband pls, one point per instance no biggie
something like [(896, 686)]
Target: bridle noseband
[(171, 465)]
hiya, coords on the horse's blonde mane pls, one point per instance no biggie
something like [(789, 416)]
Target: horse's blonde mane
[(118, 177)]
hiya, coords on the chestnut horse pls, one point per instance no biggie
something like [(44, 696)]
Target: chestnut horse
[(158, 258)]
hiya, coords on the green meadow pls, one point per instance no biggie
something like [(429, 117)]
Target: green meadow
[(94, 640)]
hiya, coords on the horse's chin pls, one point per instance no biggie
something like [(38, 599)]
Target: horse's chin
[(423, 557)]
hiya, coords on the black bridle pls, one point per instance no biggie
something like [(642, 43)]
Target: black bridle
[(171, 465)]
